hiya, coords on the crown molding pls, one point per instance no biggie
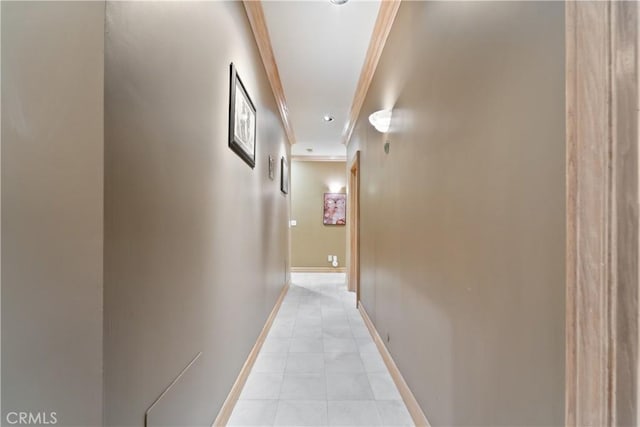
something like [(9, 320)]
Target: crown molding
[(258, 23), (381, 29)]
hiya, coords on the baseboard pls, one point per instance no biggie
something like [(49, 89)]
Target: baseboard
[(318, 269), (419, 419), (230, 402)]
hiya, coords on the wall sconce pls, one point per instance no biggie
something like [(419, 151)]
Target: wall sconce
[(335, 187), (381, 120)]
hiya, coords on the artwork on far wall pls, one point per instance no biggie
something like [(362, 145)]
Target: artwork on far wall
[(284, 175), (242, 120), (335, 209)]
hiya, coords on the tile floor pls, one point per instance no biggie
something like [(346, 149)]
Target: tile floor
[(319, 365)]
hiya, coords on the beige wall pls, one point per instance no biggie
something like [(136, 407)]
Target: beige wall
[(52, 209), (196, 241), (463, 222), (311, 240)]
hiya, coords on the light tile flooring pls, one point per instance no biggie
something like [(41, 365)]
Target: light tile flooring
[(319, 365)]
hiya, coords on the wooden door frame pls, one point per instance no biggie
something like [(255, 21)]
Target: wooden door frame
[(602, 213), (354, 226)]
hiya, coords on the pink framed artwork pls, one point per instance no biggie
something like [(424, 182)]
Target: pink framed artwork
[(335, 209)]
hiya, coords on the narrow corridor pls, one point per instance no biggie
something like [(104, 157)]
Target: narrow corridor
[(319, 365)]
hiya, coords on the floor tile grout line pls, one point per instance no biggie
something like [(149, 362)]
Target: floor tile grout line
[(343, 307)]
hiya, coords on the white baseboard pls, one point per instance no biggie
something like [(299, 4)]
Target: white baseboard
[(318, 269), (227, 407), (419, 419)]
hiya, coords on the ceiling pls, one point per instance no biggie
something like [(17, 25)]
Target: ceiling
[(319, 48)]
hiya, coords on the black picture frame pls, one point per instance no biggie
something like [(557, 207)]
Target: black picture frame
[(284, 175), (242, 120)]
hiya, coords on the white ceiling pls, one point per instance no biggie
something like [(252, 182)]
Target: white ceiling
[(319, 48)]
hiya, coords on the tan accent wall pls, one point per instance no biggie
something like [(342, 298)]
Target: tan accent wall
[(311, 240), (463, 222), (196, 241), (52, 210)]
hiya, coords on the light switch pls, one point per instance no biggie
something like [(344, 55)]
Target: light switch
[(294, 222)]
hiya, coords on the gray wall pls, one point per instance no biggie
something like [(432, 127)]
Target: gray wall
[(463, 222), (196, 245), (52, 209), (311, 240)]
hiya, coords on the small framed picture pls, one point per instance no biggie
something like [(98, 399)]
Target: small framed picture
[(284, 175), (272, 168), (242, 121), (335, 209)]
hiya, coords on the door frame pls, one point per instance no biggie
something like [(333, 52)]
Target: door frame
[(602, 106), (353, 190)]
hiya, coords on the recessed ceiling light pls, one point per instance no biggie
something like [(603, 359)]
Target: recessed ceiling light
[(328, 118), (338, 1)]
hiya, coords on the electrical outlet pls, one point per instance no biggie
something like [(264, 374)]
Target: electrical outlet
[(329, 258)]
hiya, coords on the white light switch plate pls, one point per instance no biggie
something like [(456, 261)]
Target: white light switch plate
[(294, 222)]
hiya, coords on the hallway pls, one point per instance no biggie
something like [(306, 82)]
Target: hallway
[(319, 365), (185, 184)]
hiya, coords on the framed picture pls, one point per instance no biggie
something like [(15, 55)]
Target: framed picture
[(272, 168), (284, 175), (242, 120), (335, 209)]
